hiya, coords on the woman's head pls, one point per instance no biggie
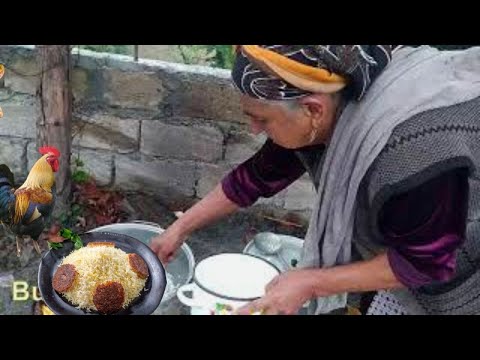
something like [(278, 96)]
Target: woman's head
[(293, 92), (293, 123)]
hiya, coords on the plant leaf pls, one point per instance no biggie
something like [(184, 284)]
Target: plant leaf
[(78, 244), (66, 233), (54, 246)]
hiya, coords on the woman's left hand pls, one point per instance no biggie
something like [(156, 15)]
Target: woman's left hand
[(285, 295)]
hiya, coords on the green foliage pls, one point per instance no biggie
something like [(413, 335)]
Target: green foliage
[(114, 49), (69, 219), (195, 54), (73, 237), (76, 210), (54, 246), (224, 55), (79, 162), (68, 235), (80, 175), (221, 56), (64, 219)]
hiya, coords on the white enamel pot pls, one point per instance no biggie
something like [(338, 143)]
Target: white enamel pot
[(223, 283)]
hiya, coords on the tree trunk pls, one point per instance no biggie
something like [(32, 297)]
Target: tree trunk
[(54, 125)]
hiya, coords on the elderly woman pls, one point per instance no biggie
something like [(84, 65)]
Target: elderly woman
[(390, 137)]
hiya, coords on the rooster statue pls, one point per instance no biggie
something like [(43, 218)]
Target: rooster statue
[(26, 210)]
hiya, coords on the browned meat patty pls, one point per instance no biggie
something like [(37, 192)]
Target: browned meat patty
[(64, 278), (138, 265), (108, 297)]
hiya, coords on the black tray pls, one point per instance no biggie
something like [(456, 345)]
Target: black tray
[(145, 304)]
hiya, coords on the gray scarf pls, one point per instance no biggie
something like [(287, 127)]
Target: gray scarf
[(416, 80)]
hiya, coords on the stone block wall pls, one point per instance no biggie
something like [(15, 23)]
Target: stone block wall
[(169, 129)]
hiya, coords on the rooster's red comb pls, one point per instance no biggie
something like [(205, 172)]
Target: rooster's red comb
[(49, 149)]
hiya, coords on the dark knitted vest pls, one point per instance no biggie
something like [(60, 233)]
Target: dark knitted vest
[(419, 150)]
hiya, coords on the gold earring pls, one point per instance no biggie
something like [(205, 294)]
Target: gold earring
[(313, 136)]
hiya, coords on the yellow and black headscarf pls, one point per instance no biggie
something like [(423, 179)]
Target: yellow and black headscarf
[(279, 72)]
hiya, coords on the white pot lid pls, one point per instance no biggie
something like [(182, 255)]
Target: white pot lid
[(238, 277)]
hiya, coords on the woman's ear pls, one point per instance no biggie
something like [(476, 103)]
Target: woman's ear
[(314, 108)]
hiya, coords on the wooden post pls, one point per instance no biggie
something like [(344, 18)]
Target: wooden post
[(135, 52), (54, 126)]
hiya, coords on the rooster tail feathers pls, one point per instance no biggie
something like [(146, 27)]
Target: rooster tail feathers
[(7, 204), (6, 175), (7, 200), (7, 197)]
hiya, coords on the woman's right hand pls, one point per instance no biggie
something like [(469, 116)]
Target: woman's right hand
[(211, 208), (166, 245)]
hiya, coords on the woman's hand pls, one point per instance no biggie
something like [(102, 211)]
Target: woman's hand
[(285, 295), (167, 244), (213, 207)]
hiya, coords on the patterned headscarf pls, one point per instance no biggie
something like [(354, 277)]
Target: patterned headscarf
[(279, 72)]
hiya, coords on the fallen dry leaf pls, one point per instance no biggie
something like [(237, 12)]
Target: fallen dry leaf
[(56, 238)]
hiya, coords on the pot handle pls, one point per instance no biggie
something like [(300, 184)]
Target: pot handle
[(188, 301)]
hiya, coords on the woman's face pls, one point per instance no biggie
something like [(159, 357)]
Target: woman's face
[(290, 126)]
